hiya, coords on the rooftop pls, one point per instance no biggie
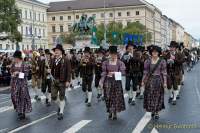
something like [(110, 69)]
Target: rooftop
[(90, 4)]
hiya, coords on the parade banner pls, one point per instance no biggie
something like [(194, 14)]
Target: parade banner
[(136, 39)]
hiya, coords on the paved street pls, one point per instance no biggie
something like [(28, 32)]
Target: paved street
[(183, 118)]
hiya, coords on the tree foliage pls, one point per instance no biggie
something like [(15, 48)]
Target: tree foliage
[(10, 20), (114, 27), (68, 38)]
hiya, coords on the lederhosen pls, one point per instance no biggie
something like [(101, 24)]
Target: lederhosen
[(133, 73), (87, 75), (98, 71), (46, 78)]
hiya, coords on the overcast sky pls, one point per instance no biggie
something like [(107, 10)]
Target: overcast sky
[(185, 12)]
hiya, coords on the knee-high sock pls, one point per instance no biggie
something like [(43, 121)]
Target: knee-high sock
[(49, 96), (86, 94), (175, 95), (134, 95), (130, 94), (99, 90), (89, 97), (171, 93), (142, 90), (58, 102), (62, 106), (183, 78), (179, 89)]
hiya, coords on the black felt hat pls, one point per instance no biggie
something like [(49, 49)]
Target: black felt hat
[(174, 44), (59, 47), (17, 54), (47, 51), (155, 48), (87, 50), (113, 49)]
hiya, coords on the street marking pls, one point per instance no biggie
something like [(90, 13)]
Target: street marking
[(5, 102), (154, 130), (7, 108), (142, 123), (32, 123), (75, 128)]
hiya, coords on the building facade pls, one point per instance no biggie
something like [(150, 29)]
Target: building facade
[(62, 16), (34, 24)]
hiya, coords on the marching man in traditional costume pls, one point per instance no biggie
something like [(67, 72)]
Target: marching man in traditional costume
[(46, 76), (36, 79), (98, 70), (61, 72), (174, 70), (87, 72)]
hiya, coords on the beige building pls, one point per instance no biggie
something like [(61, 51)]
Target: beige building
[(62, 15), (34, 24)]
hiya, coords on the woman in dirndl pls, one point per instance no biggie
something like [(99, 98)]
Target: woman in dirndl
[(19, 86), (113, 91), (154, 81)]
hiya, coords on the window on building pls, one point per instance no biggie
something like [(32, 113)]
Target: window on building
[(39, 32), (137, 12), (26, 14), (53, 29), (102, 15), (43, 32), (69, 17), (128, 14), (94, 15), (30, 30), (111, 15), (35, 31), (30, 15), (69, 27), (1, 46), (7, 46), (22, 30), (39, 17), (26, 31), (35, 16), (61, 28), (43, 17), (128, 22), (20, 13), (27, 47), (54, 39), (77, 16), (53, 18), (119, 14), (61, 18)]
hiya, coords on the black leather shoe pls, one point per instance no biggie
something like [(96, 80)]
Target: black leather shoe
[(60, 116), (173, 102), (86, 100), (170, 100), (110, 116), (129, 100), (58, 112), (133, 103), (156, 117), (89, 104)]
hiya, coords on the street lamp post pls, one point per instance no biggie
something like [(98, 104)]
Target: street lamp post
[(105, 36)]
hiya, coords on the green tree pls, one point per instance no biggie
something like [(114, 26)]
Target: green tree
[(68, 38), (139, 29), (10, 20), (117, 29)]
